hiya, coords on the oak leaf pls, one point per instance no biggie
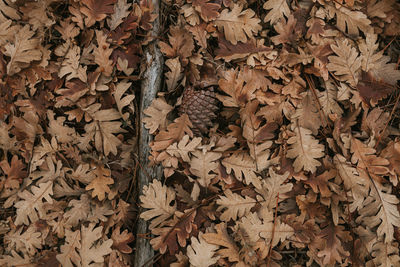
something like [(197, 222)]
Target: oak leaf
[(96, 10), (384, 254), (120, 90), (102, 131), (371, 91), (121, 240), (328, 99), (16, 260), (346, 64), (100, 183), (234, 205), (244, 168), (174, 75), (157, 115), (202, 163), (262, 227), (15, 172), (27, 242), (273, 186), (70, 249), (102, 54), (174, 132), (71, 65), (121, 11), (175, 231), (238, 25), (79, 210), (333, 250), (201, 253), (223, 239), (350, 20), (157, 198), (208, 10), (31, 208), (277, 9), (184, 147), (308, 108), (181, 46), (380, 206), (305, 149), (92, 249), (22, 51)]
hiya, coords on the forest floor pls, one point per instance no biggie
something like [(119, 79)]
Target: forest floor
[(199, 133)]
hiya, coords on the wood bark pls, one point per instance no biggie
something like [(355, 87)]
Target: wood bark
[(150, 85)]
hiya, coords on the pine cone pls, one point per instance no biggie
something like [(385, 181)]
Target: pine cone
[(200, 106)]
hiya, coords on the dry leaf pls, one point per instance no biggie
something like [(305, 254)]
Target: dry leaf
[(238, 25)]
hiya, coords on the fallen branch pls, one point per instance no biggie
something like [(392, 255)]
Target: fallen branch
[(149, 87)]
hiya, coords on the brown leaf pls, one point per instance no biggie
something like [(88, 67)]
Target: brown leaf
[(176, 231), (333, 250), (121, 240), (96, 10), (238, 25), (222, 238), (371, 90), (15, 172), (207, 9), (229, 51), (22, 51), (100, 183)]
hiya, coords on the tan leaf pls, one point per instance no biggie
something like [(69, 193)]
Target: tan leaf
[(32, 206), (175, 74), (120, 90), (272, 186), (96, 10), (202, 164), (157, 115), (79, 211), (121, 240), (15, 172), (71, 65), (346, 64), (102, 131), (305, 149), (100, 183), (278, 9), (174, 132), (102, 54), (358, 185), (121, 11), (92, 250), (308, 108), (350, 20), (207, 9), (244, 168), (222, 238), (28, 242), (69, 250), (7, 32), (201, 253), (333, 250), (22, 51), (184, 147), (16, 260), (238, 25), (234, 205), (181, 42), (157, 198)]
